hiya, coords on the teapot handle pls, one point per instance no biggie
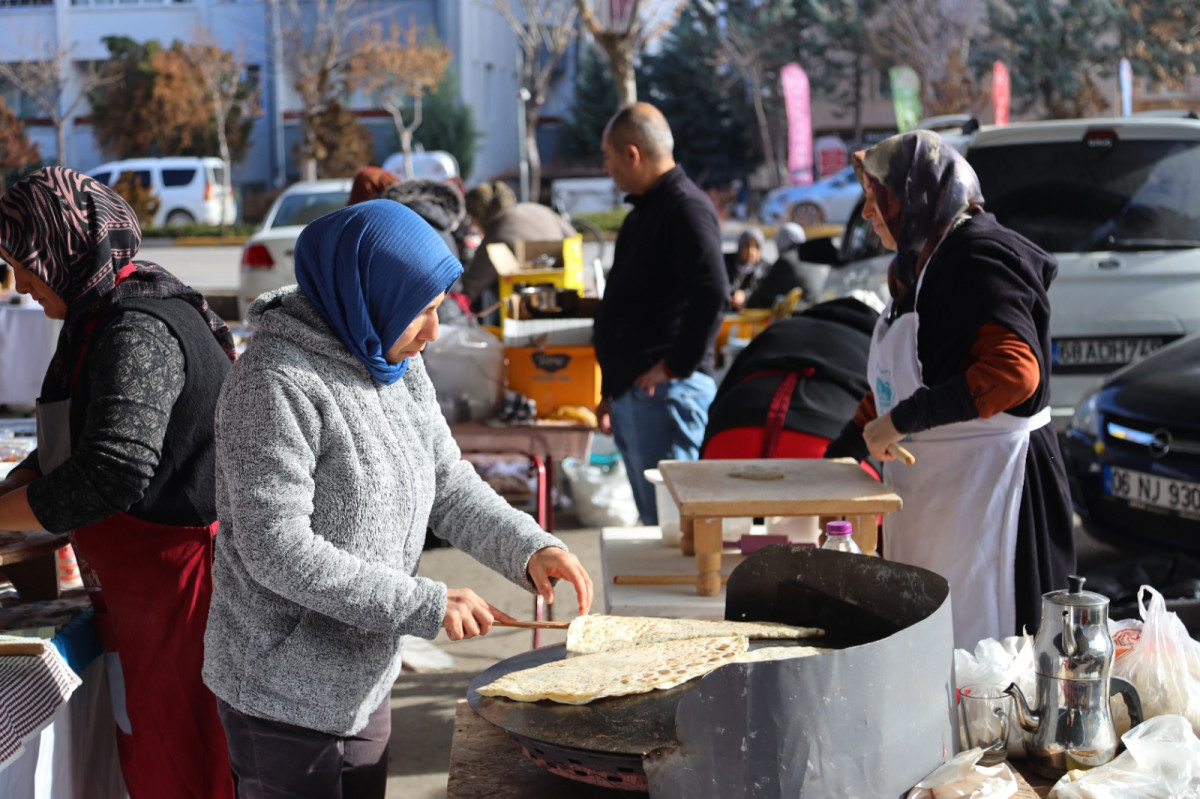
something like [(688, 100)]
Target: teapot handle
[(1133, 701)]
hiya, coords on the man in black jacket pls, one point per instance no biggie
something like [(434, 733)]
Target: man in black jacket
[(662, 308)]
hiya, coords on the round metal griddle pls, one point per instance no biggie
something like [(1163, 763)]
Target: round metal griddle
[(601, 742)]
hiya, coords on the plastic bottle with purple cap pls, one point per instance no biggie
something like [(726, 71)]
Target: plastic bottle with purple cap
[(837, 536)]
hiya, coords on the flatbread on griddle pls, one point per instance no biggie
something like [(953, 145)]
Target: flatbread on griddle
[(601, 633), (632, 670), (779, 653)]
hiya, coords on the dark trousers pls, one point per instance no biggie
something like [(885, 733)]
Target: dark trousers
[(273, 760)]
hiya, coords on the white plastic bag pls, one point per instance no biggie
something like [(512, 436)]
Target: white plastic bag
[(1163, 664), (961, 777), (602, 495), (466, 367), (1161, 761), (1000, 663)]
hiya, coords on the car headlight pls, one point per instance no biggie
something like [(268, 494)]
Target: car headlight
[(1087, 416)]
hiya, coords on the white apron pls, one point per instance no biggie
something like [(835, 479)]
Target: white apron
[(961, 497)]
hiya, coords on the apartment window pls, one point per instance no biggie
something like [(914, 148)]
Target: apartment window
[(126, 3), (22, 3)]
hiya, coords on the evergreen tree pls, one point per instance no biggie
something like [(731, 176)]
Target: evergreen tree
[(121, 110), (595, 103), (837, 53), (1162, 40), (705, 104), (1055, 52), (448, 124)]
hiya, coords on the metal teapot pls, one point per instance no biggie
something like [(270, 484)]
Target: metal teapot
[(1073, 727)]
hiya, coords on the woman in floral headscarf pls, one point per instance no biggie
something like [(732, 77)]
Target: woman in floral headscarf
[(125, 464), (959, 371)]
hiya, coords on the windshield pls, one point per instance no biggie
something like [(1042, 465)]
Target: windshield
[(300, 209), (1100, 193)]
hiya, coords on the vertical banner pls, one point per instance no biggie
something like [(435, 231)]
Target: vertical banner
[(1001, 93), (799, 121), (906, 97), (1126, 82)]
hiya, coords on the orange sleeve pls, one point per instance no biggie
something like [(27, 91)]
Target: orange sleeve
[(865, 411), (1003, 372)]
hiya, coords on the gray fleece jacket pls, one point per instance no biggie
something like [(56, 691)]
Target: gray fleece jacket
[(326, 481)]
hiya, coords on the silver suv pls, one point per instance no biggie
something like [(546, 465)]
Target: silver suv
[(1118, 203)]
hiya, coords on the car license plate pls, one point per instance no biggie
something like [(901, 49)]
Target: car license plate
[(1150, 489), (1102, 351)]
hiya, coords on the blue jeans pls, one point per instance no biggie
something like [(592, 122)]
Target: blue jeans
[(667, 426)]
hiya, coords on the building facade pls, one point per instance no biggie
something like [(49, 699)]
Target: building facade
[(482, 44)]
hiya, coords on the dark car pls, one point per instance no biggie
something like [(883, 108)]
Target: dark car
[(1133, 452)]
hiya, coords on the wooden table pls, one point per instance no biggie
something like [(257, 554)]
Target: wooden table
[(28, 561), (708, 490), (485, 762)]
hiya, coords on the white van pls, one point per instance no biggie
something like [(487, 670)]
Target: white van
[(189, 188)]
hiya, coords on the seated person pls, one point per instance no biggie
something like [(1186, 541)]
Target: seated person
[(789, 272), (496, 211), (745, 267)]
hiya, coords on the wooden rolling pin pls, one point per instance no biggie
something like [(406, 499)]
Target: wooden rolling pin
[(537, 625), (901, 454), (34, 648), (659, 579)]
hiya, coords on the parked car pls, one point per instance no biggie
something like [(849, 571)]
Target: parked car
[(1132, 452), (189, 189), (1117, 201), (830, 199), (268, 257)]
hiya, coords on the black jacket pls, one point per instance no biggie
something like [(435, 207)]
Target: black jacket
[(667, 290), (826, 346)]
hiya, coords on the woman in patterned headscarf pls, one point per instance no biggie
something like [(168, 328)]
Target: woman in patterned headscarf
[(959, 370), (125, 464)]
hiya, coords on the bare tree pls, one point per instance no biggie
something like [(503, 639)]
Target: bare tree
[(934, 38), (229, 96), (544, 32), (622, 28), (318, 48), (44, 80), (399, 69)]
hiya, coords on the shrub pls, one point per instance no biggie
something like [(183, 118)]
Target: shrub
[(139, 197)]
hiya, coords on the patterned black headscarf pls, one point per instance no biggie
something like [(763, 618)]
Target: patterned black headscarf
[(923, 188), (76, 234)]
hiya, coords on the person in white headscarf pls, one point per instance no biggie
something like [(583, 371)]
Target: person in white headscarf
[(745, 267), (789, 272)]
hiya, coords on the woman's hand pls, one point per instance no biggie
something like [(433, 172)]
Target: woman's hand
[(878, 434), (468, 615), (555, 562), (737, 300)]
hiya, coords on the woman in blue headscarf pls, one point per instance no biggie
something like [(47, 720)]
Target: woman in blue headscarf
[(332, 459)]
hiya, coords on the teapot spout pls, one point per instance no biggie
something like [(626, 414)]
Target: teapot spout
[(1028, 720)]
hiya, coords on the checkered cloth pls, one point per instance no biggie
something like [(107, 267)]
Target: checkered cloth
[(32, 690)]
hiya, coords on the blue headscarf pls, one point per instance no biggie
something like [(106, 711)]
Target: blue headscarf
[(370, 269)]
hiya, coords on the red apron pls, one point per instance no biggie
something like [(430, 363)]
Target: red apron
[(150, 585)]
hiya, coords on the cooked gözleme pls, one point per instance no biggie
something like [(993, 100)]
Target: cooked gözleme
[(600, 633), (632, 670)]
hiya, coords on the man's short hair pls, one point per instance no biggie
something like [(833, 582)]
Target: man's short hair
[(643, 126)]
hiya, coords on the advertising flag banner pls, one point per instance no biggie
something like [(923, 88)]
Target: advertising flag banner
[(799, 121), (1001, 92), (1126, 80), (906, 97)]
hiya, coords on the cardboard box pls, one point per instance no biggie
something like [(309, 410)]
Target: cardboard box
[(554, 376), (515, 265)]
